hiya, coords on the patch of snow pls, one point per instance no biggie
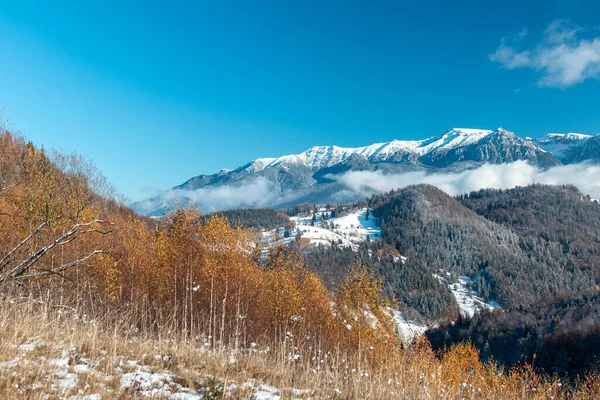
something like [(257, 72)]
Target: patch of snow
[(559, 143), (186, 396), (266, 392), (60, 362), (348, 231), (300, 392), (407, 331), (65, 381), (10, 363), (81, 369), (569, 136), (144, 380), (27, 347), (259, 164), (468, 301), (94, 396)]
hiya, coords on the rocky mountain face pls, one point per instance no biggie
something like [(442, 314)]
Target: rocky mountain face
[(310, 176), (571, 148)]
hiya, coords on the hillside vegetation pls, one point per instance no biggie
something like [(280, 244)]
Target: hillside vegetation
[(535, 250), (263, 218), (96, 300)]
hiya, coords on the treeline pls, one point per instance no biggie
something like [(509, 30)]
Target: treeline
[(264, 218), (336, 210)]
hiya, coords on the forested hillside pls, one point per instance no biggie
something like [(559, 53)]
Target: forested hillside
[(561, 332), (560, 336), (557, 215), (514, 269), (533, 249)]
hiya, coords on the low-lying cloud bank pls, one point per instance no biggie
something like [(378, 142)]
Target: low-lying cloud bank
[(584, 176), (261, 192), (257, 193)]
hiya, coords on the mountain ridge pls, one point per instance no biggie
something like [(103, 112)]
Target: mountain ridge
[(307, 175)]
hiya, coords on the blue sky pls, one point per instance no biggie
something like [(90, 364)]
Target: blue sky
[(157, 92)]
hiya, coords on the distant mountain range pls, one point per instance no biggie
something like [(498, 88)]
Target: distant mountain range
[(310, 176)]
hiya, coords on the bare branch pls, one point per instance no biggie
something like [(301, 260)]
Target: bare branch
[(6, 258), (2, 189), (65, 238), (58, 270)]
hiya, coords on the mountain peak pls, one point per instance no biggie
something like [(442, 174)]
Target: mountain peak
[(470, 131)]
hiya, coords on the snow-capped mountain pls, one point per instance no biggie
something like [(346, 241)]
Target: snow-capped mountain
[(571, 148), (432, 151), (319, 157), (307, 177)]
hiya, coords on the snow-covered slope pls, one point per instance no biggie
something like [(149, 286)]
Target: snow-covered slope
[(560, 143), (407, 330), (571, 147), (320, 157), (348, 231)]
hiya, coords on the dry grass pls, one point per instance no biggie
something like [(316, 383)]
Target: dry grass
[(53, 351)]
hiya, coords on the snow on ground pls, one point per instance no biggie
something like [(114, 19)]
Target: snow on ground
[(468, 301), (407, 331), (318, 235), (560, 144), (266, 392), (69, 377), (349, 230)]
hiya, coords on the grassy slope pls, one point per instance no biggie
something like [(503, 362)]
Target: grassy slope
[(48, 350)]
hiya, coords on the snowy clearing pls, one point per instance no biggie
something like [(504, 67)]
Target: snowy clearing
[(348, 231), (407, 331), (468, 301)]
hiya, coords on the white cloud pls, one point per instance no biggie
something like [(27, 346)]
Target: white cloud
[(257, 193), (510, 58), (562, 58), (502, 176)]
